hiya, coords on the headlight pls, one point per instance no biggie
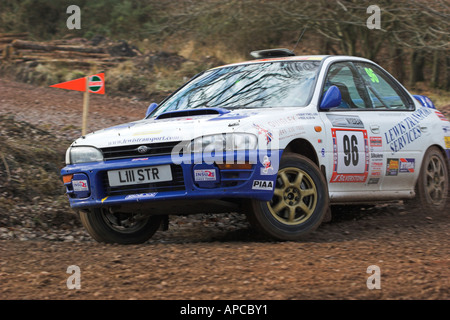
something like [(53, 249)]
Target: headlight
[(224, 142), (83, 154)]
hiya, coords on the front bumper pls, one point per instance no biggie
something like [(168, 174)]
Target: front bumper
[(89, 185)]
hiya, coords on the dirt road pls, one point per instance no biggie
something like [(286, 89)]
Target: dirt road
[(210, 257)]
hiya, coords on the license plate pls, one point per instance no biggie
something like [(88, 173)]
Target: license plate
[(131, 176)]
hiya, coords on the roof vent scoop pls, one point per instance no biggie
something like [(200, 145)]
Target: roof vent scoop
[(272, 53)]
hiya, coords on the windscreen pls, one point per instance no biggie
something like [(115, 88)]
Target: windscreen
[(258, 85)]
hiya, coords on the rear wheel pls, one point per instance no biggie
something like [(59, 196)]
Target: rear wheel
[(433, 183), (122, 228), (299, 203)]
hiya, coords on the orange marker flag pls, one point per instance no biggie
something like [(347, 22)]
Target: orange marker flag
[(96, 84)]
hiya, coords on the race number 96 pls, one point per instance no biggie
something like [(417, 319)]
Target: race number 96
[(351, 155)]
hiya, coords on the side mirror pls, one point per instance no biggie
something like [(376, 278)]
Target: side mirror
[(331, 98), (150, 108)]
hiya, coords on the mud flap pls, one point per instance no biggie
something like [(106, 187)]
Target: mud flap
[(164, 224), (327, 216)]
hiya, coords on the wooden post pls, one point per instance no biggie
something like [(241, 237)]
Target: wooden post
[(85, 108)]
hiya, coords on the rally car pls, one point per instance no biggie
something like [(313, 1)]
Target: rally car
[(280, 138)]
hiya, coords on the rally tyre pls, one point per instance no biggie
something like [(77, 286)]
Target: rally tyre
[(432, 187), (299, 203), (121, 228)]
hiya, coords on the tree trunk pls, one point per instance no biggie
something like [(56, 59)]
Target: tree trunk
[(435, 70), (417, 65), (398, 66), (21, 44), (447, 73), (420, 64)]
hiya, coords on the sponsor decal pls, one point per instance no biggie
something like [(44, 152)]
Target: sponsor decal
[(346, 121), (139, 159), (441, 116), (141, 195), (322, 152), (347, 178), (375, 173), (373, 181), (350, 155), (143, 140), (233, 116), (447, 142), (267, 166), (80, 185), (267, 134), (392, 167), (308, 58), (307, 116), (205, 175), (376, 164), (376, 155), (282, 121), (262, 185), (446, 129), (406, 131), (289, 132), (407, 165), (376, 142)]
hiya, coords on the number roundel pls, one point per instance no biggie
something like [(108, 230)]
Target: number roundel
[(351, 155)]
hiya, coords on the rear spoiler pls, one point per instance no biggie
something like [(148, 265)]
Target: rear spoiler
[(425, 101)]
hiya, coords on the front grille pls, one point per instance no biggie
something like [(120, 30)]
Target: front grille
[(131, 151), (177, 184)]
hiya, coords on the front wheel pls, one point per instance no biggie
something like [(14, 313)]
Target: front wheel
[(122, 228), (299, 203)]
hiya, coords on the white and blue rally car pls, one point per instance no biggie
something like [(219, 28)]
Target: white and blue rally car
[(280, 138)]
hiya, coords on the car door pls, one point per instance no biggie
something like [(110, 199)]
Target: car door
[(357, 141), (401, 128), (353, 149)]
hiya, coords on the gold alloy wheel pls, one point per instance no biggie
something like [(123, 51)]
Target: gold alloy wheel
[(295, 197), (435, 180)]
